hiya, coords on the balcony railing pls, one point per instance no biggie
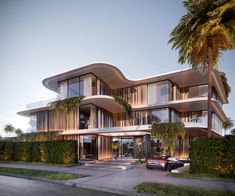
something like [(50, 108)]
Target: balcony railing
[(41, 104)]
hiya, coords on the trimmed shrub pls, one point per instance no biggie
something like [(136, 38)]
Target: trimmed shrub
[(35, 152), (57, 151), (213, 155), (8, 152)]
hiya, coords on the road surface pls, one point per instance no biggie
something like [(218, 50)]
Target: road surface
[(23, 187)]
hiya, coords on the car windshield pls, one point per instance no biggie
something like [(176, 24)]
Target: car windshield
[(171, 159)]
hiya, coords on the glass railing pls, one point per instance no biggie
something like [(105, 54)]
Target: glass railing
[(40, 104)]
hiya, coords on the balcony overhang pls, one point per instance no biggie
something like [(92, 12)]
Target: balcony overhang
[(113, 131), (185, 105), (104, 101), (32, 112)]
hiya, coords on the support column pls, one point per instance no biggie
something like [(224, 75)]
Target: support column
[(147, 145)]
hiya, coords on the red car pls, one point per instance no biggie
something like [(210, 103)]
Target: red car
[(165, 163)]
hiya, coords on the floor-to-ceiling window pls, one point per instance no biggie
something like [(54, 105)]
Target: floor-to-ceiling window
[(125, 146), (63, 89), (73, 87), (159, 92), (216, 123), (158, 115), (84, 116)]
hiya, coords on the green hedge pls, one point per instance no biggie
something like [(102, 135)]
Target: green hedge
[(213, 155), (57, 151)]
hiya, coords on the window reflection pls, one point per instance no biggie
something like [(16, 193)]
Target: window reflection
[(159, 92), (73, 87), (63, 90), (160, 116)]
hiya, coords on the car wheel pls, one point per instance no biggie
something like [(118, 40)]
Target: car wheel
[(169, 168)]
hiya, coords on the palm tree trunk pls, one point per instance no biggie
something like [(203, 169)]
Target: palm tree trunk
[(210, 69)]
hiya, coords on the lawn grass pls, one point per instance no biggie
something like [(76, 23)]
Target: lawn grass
[(40, 173), (203, 176), (173, 190), (41, 163)]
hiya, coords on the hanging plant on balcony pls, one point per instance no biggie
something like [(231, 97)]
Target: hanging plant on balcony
[(168, 133), (67, 105), (227, 87), (124, 104)]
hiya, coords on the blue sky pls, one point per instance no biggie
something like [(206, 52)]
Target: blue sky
[(42, 38)]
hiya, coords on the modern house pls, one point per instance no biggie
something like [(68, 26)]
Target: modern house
[(99, 120)]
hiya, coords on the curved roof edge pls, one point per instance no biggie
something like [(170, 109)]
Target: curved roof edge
[(113, 76)]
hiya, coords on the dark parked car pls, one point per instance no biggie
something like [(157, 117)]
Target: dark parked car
[(165, 163)]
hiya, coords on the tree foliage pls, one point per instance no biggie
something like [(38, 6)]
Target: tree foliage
[(124, 104), (18, 131), (207, 24), (168, 133), (233, 132), (207, 29), (228, 124), (67, 105), (227, 87), (9, 128), (39, 136)]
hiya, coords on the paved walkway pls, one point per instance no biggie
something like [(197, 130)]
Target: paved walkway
[(123, 181)]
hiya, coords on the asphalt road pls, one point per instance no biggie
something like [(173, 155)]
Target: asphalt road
[(22, 187)]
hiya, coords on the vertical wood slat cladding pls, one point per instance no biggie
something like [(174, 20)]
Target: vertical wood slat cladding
[(104, 147), (42, 121), (58, 120)]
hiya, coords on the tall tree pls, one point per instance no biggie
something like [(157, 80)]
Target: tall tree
[(207, 29)]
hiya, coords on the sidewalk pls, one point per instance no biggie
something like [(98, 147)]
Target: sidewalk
[(123, 181)]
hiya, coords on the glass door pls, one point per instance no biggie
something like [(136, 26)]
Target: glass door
[(125, 147), (88, 147)]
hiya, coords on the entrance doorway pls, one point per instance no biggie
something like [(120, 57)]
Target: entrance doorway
[(125, 147), (88, 146)]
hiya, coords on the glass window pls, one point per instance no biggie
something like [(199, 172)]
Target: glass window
[(85, 85), (63, 89), (174, 116), (94, 85), (160, 116), (104, 89), (159, 93), (198, 91), (194, 117), (73, 87), (216, 124)]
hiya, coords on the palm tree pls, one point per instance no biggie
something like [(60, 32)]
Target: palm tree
[(207, 29)]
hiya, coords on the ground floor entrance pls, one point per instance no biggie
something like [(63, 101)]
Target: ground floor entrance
[(129, 147), (88, 147), (100, 147), (124, 145)]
